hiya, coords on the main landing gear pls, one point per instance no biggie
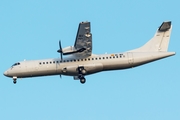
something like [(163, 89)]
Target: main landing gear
[(82, 72), (82, 80)]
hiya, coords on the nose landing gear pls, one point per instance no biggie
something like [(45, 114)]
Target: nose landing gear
[(14, 80)]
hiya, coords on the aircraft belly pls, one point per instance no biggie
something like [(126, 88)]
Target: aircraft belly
[(72, 70), (94, 68)]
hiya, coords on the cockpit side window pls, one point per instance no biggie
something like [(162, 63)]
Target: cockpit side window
[(15, 64)]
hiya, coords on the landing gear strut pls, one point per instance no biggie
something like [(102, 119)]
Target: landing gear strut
[(81, 70), (14, 80)]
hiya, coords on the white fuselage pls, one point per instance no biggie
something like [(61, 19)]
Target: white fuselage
[(93, 64)]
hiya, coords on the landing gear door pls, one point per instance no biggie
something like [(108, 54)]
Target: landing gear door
[(130, 58)]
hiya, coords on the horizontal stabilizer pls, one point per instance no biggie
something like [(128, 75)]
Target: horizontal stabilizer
[(165, 26)]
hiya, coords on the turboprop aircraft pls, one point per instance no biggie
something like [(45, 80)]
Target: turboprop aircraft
[(80, 61)]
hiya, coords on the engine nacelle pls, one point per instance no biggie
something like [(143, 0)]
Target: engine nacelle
[(68, 50)]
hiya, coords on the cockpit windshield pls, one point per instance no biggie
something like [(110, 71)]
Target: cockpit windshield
[(15, 64)]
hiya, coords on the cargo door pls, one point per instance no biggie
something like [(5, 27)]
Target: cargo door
[(130, 58)]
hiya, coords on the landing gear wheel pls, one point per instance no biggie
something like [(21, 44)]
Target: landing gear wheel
[(83, 71), (14, 81), (80, 69), (82, 80)]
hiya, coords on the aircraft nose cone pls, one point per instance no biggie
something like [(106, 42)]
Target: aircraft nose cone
[(5, 73)]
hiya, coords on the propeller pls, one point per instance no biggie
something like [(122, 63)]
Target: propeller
[(60, 50)]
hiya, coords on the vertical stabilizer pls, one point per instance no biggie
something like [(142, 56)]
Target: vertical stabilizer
[(159, 42)]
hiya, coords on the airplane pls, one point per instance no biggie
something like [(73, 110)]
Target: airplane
[(80, 61)]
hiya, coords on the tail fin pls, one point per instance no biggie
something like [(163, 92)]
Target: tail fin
[(159, 42)]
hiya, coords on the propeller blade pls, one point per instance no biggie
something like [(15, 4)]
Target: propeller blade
[(60, 45), (61, 56), (60, 50)]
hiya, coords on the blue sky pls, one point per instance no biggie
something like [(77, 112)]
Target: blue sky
[(32, 29)]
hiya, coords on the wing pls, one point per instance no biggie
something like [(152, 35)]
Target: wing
[(83, 43)]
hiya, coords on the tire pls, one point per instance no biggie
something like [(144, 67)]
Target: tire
[(83, 71), (83, 80), (14, 81)]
